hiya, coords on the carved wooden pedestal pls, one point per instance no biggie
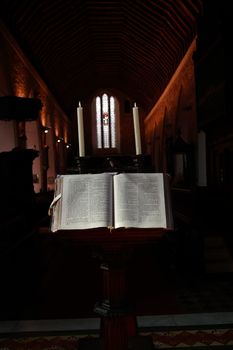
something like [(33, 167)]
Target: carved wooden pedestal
[(114, 249)]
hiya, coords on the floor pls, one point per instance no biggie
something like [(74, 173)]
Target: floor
[(92, 325), (174, 332)]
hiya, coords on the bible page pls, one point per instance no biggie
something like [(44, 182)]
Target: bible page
[(86, 201), (139, 200)]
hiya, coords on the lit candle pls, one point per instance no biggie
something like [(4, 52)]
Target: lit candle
[(80, 131), (137, 130)]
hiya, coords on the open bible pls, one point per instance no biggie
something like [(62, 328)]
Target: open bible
[(139, 200)]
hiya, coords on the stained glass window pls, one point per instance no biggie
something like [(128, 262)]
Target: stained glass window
[(106, 121)]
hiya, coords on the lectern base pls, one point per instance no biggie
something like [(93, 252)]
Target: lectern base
[(135, 343)]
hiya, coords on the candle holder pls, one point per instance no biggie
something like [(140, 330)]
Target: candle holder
[(138, 161), (82, 165)]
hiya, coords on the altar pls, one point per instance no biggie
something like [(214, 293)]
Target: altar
[(112, 163)]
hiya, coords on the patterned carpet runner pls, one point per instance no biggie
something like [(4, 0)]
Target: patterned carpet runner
[(199, 339)]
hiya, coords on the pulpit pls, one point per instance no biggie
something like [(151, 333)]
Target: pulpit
[(17, 205), (114, 249)]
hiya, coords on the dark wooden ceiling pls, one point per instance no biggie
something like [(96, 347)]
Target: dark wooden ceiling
[(78, 46)]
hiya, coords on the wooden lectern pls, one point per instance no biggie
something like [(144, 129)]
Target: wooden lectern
[(114, 249)]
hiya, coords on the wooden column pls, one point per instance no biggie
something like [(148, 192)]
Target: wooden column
[(118, 324)]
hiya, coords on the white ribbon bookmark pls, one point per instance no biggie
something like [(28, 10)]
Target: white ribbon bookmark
[(54, 202)]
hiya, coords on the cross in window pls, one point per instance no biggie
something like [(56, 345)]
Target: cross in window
[(105, 118)]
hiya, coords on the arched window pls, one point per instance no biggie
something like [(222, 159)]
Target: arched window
[(106, 124)]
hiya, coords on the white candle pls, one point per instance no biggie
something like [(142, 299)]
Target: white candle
[(80, 131), (137, 130)]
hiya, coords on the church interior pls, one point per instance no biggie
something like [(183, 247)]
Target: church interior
[(170, 60)]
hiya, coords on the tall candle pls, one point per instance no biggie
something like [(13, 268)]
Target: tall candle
[(80, 131), (137, 134)]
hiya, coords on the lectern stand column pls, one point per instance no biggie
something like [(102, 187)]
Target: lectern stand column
[(118, 325), (118, 322)]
